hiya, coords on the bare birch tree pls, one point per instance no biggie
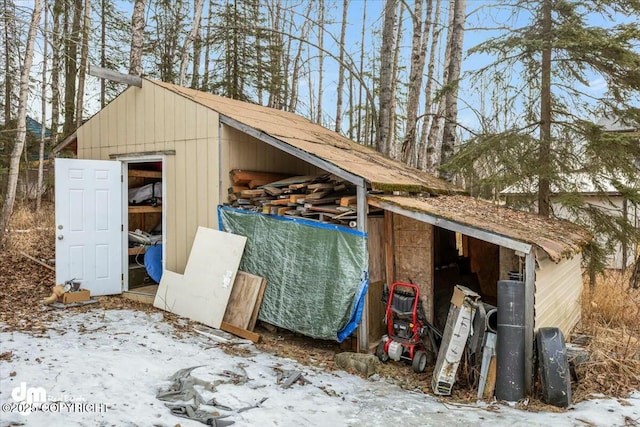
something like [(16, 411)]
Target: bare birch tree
[(456, 30), (320, 60), (195, 28), (340, 88), (14, 163), (386, 76), (56, 46), (418, 55), (137, 38), (71, 65), (84, 55), (423, 154), (43, 106)]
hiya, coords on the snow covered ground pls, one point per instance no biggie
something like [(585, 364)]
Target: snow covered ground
[(104, 368)]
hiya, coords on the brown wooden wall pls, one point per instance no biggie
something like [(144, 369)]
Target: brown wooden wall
[(411, 244)]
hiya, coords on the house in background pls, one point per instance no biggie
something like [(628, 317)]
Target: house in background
[(601, 194)]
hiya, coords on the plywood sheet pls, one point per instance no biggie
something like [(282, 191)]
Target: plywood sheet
[(203, 291), (243, 299)]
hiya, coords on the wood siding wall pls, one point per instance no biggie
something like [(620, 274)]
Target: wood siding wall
[(377, 278), (412, 242), (153, 119), (241, 151), (558, 293)]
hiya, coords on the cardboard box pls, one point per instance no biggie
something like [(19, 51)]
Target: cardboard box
[(78, 296)]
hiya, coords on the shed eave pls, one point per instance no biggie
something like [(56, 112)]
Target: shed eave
[(294, 151), (487, 236)]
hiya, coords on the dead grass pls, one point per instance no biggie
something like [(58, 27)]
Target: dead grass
[(611, 322)]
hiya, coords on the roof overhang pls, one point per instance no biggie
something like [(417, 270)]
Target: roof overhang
[(69, 143), (517, 230)]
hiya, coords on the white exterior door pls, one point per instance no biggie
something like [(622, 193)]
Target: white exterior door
[(89, 224)]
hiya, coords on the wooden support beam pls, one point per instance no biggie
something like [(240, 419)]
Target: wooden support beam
[(363, 330), (115, 76)]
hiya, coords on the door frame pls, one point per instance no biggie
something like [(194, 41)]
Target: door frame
[(125, 161)]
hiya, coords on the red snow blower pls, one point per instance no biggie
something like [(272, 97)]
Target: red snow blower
[(406, 326)]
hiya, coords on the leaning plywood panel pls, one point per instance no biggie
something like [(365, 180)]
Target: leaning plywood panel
[(202, 293), (244, 298)]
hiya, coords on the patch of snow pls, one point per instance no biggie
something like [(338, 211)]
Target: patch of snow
[(119, 359)]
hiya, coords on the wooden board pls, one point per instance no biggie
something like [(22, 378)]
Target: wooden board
[(256, 307), (243, 299), (251, 178), (202, 293), (242, 333)]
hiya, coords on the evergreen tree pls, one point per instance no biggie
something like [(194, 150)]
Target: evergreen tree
[(555, 144)]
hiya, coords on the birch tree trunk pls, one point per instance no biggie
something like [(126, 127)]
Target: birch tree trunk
[(137, 36), (71, 68), (359, 131), (343, 34), (392, 143), (56, 46), (423, 151), (320, 59), (84, 53), (195, 28), (386, 76), (103, 54), (418, 55), (197, 52), (295, 76), (14, 162), (451, 91), (207, 43), (434, 147), (9, 36), (43, 106)]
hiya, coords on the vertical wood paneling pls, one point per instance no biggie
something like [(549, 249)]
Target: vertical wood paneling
[(148, 118), (120, 126), (181, 208), (213, 173), (375, 307), (179, 114), (190, 112), (413, 251), (159, 126), (170, 212), (193, 198), (138, 117), (169, 116), (558, 293), (201, 183)]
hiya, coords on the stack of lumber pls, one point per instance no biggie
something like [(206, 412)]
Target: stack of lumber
[(323, 198)]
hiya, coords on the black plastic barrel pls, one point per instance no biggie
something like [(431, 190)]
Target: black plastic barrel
[(510, 345)]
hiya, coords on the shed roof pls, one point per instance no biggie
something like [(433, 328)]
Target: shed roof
[(558, 238), (380, 171)]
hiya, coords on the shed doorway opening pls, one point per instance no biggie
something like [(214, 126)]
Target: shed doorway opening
[(144, 220)]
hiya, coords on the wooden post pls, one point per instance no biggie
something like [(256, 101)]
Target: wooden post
[(363, 330), (529, 313)]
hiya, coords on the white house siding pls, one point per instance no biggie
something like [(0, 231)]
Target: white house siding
[(558, 292)]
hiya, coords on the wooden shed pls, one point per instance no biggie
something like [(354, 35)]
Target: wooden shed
[(187, 141)]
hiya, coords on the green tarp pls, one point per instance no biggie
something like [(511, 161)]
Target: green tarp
[(316, 273)]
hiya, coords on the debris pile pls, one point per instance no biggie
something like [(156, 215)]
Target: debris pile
[(323, 198)]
